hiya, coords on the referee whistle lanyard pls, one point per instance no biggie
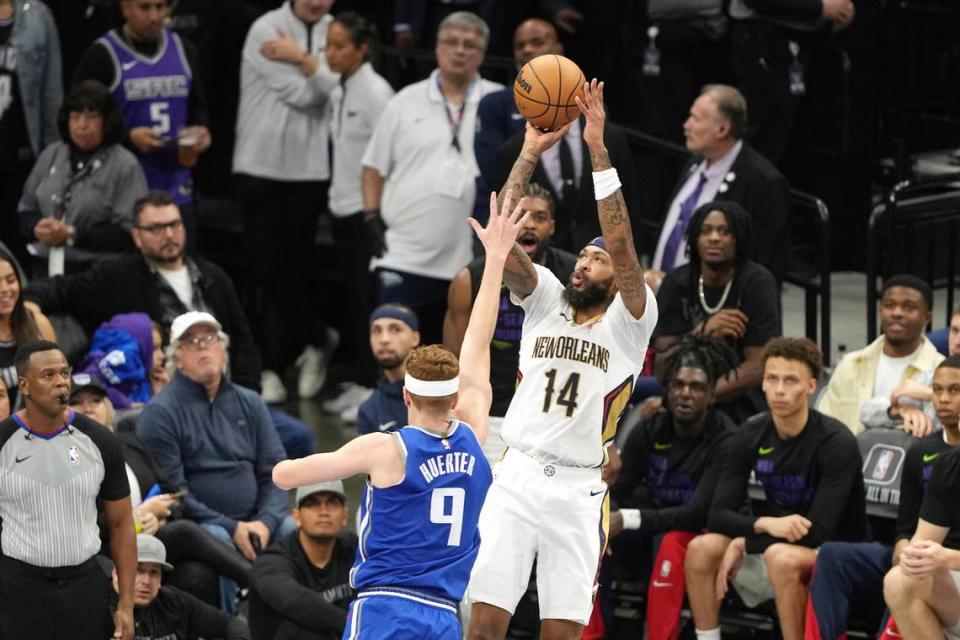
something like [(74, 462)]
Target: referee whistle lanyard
[(455, 124)]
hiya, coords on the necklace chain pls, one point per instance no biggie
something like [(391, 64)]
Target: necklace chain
[(723, 298)]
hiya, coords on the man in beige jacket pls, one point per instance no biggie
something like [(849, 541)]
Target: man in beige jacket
[(900, 353)]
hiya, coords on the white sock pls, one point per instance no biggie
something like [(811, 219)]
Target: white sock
[(708, 634)]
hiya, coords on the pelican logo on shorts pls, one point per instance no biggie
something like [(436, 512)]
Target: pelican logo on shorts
[(665, 567), (549, 470), (74, 454)]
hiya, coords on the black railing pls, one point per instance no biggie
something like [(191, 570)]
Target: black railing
[(915, 230)]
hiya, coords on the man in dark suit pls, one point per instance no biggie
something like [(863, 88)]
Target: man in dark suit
[(725, 167), (565, 170)]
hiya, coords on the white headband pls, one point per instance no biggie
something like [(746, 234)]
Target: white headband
[(431, 388)]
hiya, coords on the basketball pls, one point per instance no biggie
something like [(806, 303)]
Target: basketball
[(545, 89)]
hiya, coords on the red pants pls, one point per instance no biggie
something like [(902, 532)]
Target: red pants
[(667, 586)]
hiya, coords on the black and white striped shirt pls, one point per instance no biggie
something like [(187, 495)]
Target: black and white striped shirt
[(49, 487)]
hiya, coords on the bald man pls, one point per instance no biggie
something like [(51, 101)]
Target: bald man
[(497, 116)]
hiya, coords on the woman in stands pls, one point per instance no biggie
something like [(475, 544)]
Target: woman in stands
[(356, 104), (18, 323), (77, 202)]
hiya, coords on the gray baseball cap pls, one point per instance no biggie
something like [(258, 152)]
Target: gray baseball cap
[(149, 549), (335, 487)]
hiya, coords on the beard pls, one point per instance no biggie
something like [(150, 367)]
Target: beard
[(165, 259), (591, 296), (391, 363)]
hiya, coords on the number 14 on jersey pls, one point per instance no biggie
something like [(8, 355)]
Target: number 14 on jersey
[(568, 392)]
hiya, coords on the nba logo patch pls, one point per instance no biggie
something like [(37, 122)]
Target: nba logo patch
[(74, 454), (665, 567)]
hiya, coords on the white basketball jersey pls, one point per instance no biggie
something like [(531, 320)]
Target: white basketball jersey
[(574, 381)]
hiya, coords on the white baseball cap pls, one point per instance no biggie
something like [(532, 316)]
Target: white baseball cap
[(183, 322)]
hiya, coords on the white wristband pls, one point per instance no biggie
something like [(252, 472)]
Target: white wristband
[(605, 183), (631, 518)]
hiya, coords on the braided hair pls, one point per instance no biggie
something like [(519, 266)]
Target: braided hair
[(711, 355)]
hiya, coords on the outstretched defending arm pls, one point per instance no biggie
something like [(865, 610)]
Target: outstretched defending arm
[(519, 274), (498, 238), (614, 218)]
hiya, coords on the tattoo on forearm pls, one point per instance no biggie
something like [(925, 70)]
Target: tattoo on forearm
[(518, 179), (600, 159), (519, 273)]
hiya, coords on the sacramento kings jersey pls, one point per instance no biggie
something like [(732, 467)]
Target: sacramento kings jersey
[(422, 533), (574, 380), (154, 92)]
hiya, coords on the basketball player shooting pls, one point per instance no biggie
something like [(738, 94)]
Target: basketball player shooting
[(427, 481), (583, 346)]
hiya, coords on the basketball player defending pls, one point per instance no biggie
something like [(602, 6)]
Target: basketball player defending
[(427, 482), (582, 348)]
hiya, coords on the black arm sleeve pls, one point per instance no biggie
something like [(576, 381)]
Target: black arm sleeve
[(731, 489), (273, 578), (691, 516), (911, 492), (839, 464), (95, 64)]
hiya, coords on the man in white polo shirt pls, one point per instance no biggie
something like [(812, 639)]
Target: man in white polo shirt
[(418, 176)]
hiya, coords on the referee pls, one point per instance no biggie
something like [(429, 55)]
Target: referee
[(55, 466)]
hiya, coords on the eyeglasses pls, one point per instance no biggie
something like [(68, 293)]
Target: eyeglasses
[(196, 342), (469, 45), (161, 227)]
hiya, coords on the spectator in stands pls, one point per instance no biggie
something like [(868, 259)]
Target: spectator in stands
[(419, 169), (910, 403), (19, 323), (901, 353), (725, 294), (394, 333), (122, 353), (725, 167), (167, 613), (58, 466), (848, 580), (199, 556), (771, 44), (809, 467), (921, 591), (497, 117), (282, 162), (671, 462), (565, 170), (164, 282), (535, 240), (154, 79), (356, 104), (216, 439), (77, 201), (31, 90), (301, 584)]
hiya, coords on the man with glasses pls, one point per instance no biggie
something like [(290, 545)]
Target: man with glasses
[(164, 282), (216, 439), (418, 177)]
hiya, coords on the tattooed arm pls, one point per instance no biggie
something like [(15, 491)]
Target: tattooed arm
[(614, 218), (518, 273)]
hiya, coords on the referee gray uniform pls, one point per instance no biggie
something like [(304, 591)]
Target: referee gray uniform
[(51, 587)]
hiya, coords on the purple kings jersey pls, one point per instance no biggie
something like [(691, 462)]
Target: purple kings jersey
[(154, 92)]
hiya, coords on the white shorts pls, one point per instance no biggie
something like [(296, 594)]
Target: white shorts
[(752, 581), (556, 515), (953, 633)]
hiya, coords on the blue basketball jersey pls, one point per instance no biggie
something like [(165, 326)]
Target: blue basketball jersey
[(422, 533), (154, 92)]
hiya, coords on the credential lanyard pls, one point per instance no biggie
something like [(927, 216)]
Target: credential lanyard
[(454, 124)]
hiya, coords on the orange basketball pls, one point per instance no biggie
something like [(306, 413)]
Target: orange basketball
[(544, 91)]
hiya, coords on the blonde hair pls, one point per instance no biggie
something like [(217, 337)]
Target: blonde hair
[(432, 363)]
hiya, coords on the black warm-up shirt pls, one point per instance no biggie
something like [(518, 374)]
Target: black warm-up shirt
[(918, 468), (940, 500), (669, 478), (816, 474)]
